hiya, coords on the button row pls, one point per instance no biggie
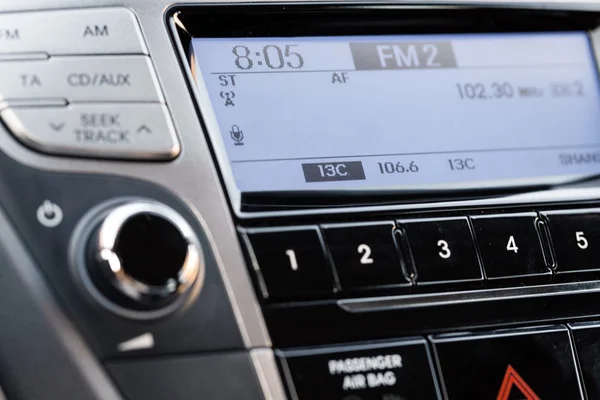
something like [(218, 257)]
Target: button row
[(506, 249), (527, 364)]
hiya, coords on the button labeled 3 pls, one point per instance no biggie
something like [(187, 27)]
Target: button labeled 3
[(49, 214), (443, 250)]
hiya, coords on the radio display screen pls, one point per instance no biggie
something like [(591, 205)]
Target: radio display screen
[(401, 112)]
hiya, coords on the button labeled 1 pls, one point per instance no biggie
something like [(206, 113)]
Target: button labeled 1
[(365, 255), (510, 246), (291, 262), (576, 240), (442, 250)]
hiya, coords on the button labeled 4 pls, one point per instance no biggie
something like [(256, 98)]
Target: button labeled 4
[(511, 247)]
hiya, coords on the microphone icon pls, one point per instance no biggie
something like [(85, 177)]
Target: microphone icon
[(237, 135)]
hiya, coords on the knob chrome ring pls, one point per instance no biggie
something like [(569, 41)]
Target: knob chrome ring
[(190, 278), (131, 287)]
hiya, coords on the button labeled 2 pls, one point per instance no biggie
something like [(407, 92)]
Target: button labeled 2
[(442, 250), (365, 255), (291, 262), (576, 239)]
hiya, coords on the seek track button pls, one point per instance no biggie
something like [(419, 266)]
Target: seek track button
[(97, 130)]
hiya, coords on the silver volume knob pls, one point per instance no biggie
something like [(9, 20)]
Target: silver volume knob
[(143, 259)]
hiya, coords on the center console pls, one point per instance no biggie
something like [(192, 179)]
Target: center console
[(306, 201)]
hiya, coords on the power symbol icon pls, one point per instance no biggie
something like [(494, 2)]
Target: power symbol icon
[(49, 214)]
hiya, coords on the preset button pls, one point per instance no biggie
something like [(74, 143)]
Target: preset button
[(365, 255), (291, 263), (510, 246), (443, 250), (133, 131), (576, 240)]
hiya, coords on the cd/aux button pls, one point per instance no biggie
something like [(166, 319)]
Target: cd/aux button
[(97, 78), (128, 131)]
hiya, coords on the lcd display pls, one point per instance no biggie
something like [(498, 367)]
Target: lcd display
[(401, 112)]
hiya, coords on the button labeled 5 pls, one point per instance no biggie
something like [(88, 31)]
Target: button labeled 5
[(576, 239)]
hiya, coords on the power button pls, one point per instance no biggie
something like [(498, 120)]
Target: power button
[(49, 214)]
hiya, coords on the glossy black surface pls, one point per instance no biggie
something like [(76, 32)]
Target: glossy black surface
[(510, 247), (576, 240), (364, 255), (292, 263), (587, 345), (442, 250), (510, 365), (400, 370)]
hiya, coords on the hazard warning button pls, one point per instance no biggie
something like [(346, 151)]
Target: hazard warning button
[(531, 364)]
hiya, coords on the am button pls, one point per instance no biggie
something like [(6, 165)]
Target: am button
[(112, 30)]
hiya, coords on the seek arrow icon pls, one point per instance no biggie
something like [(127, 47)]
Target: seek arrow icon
[(56, 127), (143, 128)]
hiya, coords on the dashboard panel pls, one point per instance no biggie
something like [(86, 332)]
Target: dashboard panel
[(287, 200)]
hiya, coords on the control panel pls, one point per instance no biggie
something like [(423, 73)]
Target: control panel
[(86, 87), (305, 201)]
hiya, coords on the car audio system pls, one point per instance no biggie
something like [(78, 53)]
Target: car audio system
[(304, 201)]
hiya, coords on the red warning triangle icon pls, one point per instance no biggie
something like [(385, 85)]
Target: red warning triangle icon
[(513, 380)]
